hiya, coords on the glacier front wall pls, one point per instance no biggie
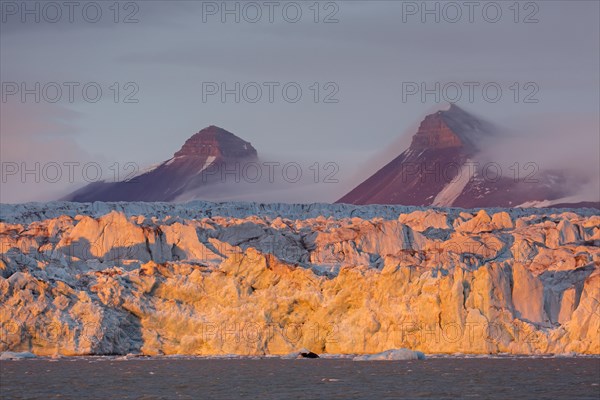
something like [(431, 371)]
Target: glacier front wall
[(119, 278)]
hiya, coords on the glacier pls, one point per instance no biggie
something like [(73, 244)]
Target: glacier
[(251, 279)]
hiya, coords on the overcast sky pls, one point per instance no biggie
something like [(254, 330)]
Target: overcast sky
[(362, 57)]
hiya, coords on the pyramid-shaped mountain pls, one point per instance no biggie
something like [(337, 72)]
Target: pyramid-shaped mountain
[(201, 161), (441, 168)]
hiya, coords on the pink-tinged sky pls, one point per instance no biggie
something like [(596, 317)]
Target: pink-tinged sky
[(368, 54)]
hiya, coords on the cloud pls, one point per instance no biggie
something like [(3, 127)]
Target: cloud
[(34, 140), (368, 53), (543, 142)]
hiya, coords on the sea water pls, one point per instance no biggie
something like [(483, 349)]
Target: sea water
[(276, 378)]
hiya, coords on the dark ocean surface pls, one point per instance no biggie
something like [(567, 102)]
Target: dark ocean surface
[(273, 378)]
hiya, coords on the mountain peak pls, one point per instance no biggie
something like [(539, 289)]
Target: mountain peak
[(442, 168), (199, 164), (216, 141), (453, 127), (214, 130)]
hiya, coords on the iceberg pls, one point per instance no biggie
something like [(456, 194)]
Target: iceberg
[(392, 355)]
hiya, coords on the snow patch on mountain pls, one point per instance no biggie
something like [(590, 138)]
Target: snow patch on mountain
[(452, 190), (207, 163)]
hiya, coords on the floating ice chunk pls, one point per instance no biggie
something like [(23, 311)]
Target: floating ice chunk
[(392, 355), (10, 355)]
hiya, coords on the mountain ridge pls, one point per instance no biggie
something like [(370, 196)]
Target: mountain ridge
[(443, 166)]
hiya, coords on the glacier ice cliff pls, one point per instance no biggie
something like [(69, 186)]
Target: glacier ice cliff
[(252, 279)]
